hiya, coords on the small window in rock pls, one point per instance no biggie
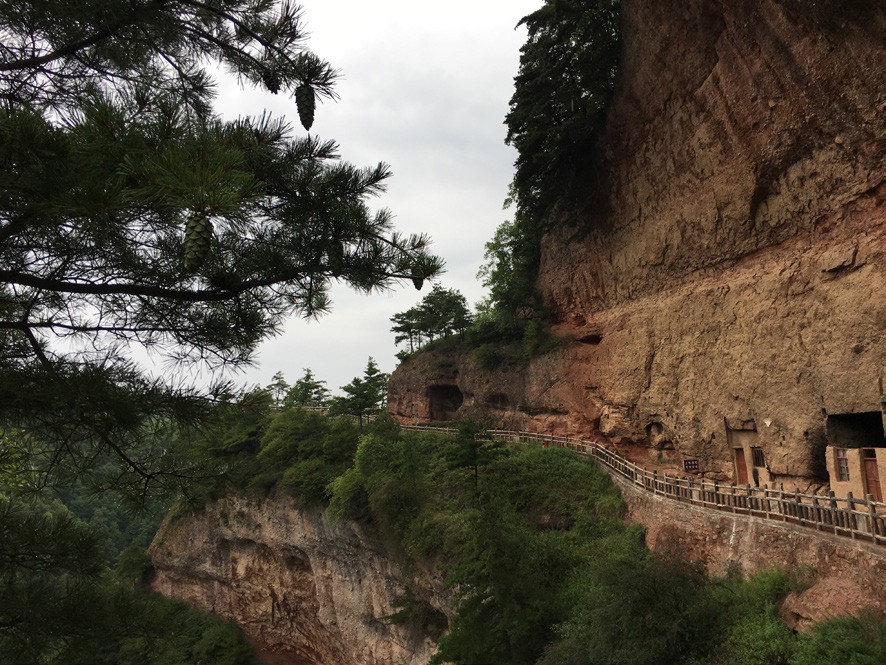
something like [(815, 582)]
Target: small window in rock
[(593, 339), (757, 455), (842, 465)]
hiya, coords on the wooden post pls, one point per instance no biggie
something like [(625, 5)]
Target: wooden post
[(766, 500), (732, 498), (835, 516), (850, 502), (781, 505), (750, 499), (654, 481), (816, 512), (717, 494), (797, 506), (872, 517)]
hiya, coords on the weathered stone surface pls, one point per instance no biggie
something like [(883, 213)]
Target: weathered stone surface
[(306, 590), (729, 263), (846, 576)]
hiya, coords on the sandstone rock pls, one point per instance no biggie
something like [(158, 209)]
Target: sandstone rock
[(729, 263), (306, 590)]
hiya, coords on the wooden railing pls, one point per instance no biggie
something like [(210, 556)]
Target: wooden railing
[(862, 519)]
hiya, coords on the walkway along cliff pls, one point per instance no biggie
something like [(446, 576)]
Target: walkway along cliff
[(721, 526), (720, 295)]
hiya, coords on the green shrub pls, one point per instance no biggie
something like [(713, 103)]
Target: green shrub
[(348, 499), (843, 641), (306, 481)]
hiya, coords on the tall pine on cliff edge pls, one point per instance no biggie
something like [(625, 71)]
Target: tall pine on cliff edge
[(131, 214), (568, 69)]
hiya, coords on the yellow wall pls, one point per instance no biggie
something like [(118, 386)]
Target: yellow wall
[(855, 484), (746, 440)]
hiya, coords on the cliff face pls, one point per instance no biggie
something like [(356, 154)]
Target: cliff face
[(725, 281), (850, 575), (305, 590)]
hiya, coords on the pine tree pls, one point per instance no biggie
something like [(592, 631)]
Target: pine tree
[(131, 214), (308, 391), (363, 396), (278, 388), (567, 75), (441, 313)]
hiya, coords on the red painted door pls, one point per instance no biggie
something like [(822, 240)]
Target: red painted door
[(871, 474), (741, 466)]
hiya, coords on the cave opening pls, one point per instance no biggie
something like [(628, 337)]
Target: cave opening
[(498, 401), (445, 401), (856, 430)]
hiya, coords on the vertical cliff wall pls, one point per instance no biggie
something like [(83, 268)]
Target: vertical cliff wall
[(305, 590), (726, 274)]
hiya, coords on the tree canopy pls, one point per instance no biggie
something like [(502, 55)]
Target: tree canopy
[(308, 391), (131, 214), (364, 396), (441, 313), (568, 69)]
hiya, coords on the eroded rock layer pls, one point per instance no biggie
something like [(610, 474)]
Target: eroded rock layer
[(304, 589), (727, 271)]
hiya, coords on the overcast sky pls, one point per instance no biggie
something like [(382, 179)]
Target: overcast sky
[(424, 87)]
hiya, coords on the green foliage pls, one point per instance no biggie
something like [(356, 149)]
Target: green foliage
[(487, 511), (441, 313), (308, 391), (843, 641), (419, 615), (131, 214), (348, 499), (634, 609), (61, 605), (546, 572), (303, 451), (511, 265), (568, 68), (363, 396), (278, 388), (499, 338)]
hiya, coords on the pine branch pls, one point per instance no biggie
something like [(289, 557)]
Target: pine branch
[(74, 47)]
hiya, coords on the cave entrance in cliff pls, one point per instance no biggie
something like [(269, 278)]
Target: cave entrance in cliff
[(444, 401), (856, 430)]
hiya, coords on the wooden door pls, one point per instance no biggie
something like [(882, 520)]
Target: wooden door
[(871, 473), (741, 466)]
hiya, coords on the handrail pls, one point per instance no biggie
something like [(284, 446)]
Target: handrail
[(862, 519)]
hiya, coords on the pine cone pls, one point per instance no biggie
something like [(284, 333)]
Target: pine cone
[(198, 235), (272, 80), (305, 102), (418, 279)]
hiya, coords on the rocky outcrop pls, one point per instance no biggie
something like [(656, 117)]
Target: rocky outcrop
[(727, 271), (306, 590)]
